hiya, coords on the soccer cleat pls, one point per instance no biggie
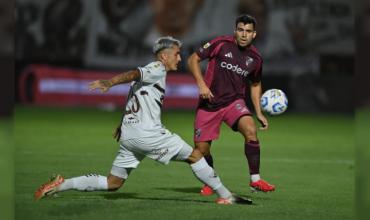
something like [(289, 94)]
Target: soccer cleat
[(206, 191), (48, 188), (261, 185), (234, 200)]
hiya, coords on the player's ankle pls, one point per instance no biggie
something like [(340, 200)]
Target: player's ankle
[(255, 177)]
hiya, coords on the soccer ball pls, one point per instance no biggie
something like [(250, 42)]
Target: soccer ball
[(274, 102)]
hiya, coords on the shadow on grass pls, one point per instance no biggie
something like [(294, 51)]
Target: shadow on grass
[(181, 189), (116, 196), (196, 190)]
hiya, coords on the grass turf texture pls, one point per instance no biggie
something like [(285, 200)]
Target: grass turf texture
[(6, 170), (362, 163), (310, 159)]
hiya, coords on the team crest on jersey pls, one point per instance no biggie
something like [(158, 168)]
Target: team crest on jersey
[(249, 61)]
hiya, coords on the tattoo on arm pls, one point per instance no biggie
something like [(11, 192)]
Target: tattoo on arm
[(125, 77), (106, 83)]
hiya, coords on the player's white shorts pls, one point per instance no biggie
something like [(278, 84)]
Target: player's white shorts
[(162, 148)]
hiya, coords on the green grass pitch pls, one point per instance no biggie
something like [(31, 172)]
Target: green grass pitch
[(309, 157), (6, 170)]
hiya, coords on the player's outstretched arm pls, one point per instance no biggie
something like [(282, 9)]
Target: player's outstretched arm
[(194, 66), (256, 92), (105, 85)]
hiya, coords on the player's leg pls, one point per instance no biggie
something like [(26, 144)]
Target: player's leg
[(205, 148), (239, 118), (207, 175), (206, 128), (124, 163), (89, 182), (169, 146), (247, 128), (122, 166)]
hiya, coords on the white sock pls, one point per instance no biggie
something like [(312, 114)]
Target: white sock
[(208, 176), (90, 182), (255, 177)]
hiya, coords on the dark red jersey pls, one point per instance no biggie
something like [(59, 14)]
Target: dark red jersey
[(229, 69)]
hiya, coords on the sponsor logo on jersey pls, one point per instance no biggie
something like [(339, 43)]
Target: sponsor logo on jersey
[(160, 153), (234, 68), (130, 120)]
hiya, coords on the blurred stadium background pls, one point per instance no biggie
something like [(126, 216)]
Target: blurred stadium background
[(308, 47)]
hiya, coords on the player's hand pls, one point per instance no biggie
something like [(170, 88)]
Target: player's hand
[(205, 92), (103, 85), (264, 123)]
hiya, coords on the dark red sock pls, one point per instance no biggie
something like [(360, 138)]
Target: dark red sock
[(252, 152), (209, 160)]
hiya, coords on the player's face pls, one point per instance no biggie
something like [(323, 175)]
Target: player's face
[(244, 34), (173, 58)]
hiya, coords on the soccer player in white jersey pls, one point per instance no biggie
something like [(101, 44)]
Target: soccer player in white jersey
[(143, 134)]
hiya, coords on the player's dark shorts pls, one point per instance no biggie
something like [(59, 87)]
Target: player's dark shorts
[(207, 124)]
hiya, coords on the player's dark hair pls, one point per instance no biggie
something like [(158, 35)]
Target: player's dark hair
[(246, 19)]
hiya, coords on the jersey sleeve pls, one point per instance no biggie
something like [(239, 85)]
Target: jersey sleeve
[(152, 72), (209, 49)]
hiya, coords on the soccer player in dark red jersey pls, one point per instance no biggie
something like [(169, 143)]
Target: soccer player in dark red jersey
[(234, 65)]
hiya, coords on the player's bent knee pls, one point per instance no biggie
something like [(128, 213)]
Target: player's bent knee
[(249, 132), (247, 127), (203, 147), (195, 156), (252, 134)]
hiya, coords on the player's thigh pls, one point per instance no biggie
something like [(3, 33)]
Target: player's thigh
[(207, 125), (125, 161), (234, 112), (163, 148)]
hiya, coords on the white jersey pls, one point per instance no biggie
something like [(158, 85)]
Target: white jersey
[(142, 117)]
